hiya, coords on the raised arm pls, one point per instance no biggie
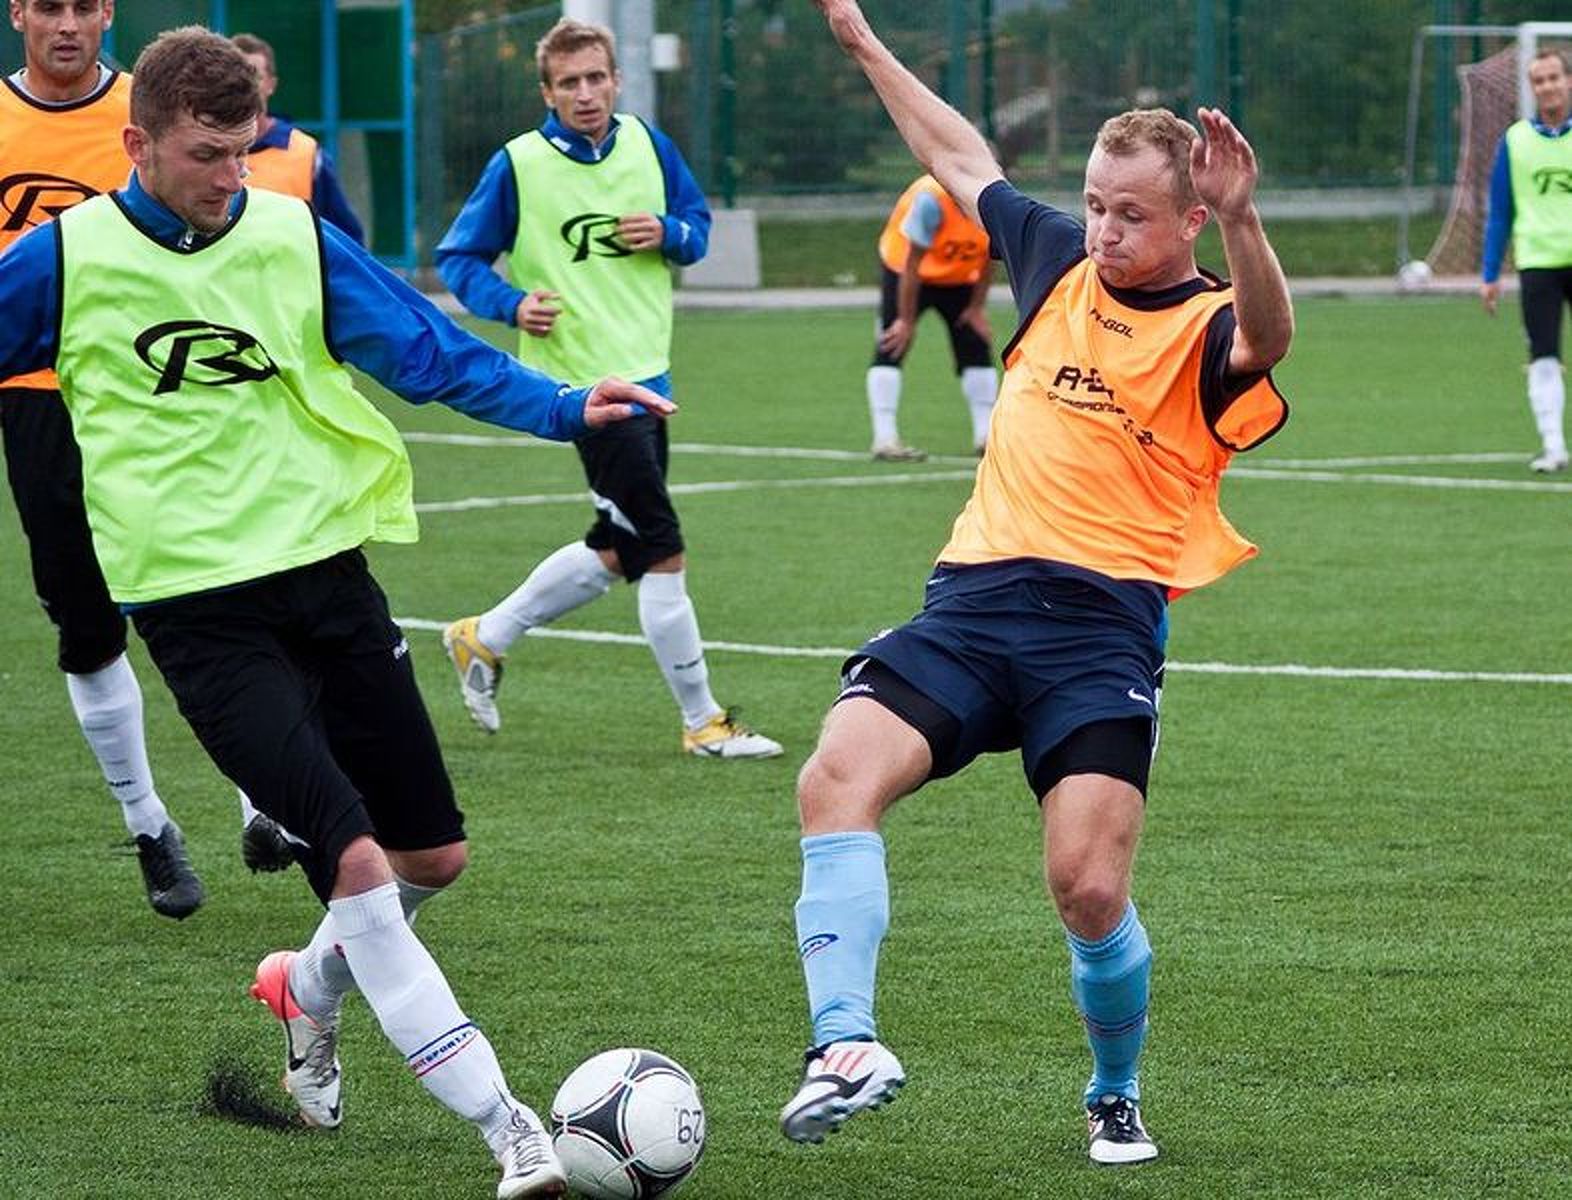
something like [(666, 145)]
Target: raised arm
[(1223, 170), (941, 139)]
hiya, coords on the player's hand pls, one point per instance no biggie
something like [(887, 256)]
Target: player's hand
[(613, 400), (845, 20), (537, 312), (976, 317), (641, 231), (1490, 296), (1222, 166), (895, 337)]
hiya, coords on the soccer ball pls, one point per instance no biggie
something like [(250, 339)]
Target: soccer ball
[(1414, 275), (627, 1124)]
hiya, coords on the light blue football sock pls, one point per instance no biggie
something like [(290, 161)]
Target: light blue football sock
[(1111, 980), (842, 914)]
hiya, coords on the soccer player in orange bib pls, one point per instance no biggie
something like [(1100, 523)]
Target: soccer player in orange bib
[(60, 122), (931, 255), (1133, 379)]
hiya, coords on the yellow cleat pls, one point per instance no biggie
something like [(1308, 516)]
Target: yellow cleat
[(723, 736), (479, 671)]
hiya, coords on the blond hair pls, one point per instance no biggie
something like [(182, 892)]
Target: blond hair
[(1172, 136)]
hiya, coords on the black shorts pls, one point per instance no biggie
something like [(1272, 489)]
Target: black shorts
[(625, 465), (1545, 291), (45, 470), (969, 347), (300, 688)]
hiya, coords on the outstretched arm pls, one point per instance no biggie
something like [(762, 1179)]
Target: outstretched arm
[(1223, 170), (941, 139)]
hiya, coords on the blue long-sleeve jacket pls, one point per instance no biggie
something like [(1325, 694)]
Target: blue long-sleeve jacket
[(1501, 211), (327, 194), (488, 223), (376, 322)]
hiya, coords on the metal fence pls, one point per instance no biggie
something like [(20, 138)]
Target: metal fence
[(770, 112)]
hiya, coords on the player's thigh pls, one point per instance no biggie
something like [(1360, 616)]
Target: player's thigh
[(1542, 296), (372, 712), (44, 468), (625, 466), (968, 347), (234, 666)]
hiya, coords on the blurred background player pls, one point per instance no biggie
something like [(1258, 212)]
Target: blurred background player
[(932, 256), (202, 332), (1132, 381), (1531, 204), (599, 303), (289, 160), (60, 122)]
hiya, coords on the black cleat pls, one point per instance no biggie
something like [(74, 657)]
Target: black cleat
[(173, 888), (1113, 1126), (264, 846)]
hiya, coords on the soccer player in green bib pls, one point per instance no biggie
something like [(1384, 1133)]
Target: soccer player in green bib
[(590, 208), (1531, 204), (231, 473)]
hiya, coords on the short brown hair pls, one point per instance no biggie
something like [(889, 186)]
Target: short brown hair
[(1556, 52), (193, 70), (568, 36), (250, 43), (1131, 132)]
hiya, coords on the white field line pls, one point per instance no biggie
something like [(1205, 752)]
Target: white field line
[(522, 441), (1299, 470), (1444, 482), (1291, 670), (700, 489)]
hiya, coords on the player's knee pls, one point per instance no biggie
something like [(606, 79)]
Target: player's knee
[(434, 868), (832, 793), (1090, 900)]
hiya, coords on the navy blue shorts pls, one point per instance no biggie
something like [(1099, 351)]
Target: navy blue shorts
[(1024, 653)]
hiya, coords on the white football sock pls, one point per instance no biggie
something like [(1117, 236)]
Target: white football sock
[(1547, 396), (248, 811), (108, 704), (979, 385), (560, 582), (416, 1008), (667, 618), (319, 977), (884, 400)]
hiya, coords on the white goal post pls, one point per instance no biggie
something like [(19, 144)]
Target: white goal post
[(1495, 93)]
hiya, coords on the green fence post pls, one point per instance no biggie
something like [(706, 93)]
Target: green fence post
[(726, 117), (986, 19), (1205, 54)]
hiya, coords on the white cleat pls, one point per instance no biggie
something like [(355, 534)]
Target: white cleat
[(1115, 1134), (311, 1071), (479, 671), (723, 736), (839, 1081), (1548, 463), (529, 1164)]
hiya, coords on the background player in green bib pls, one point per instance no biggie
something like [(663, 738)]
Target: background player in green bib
[(1531, 204), (591, 209), (231, 473)]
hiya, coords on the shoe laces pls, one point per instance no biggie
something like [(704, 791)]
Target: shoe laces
[(526, 1147), (1119, 1118), (732, 725), (160, 860), (321, 1053)]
